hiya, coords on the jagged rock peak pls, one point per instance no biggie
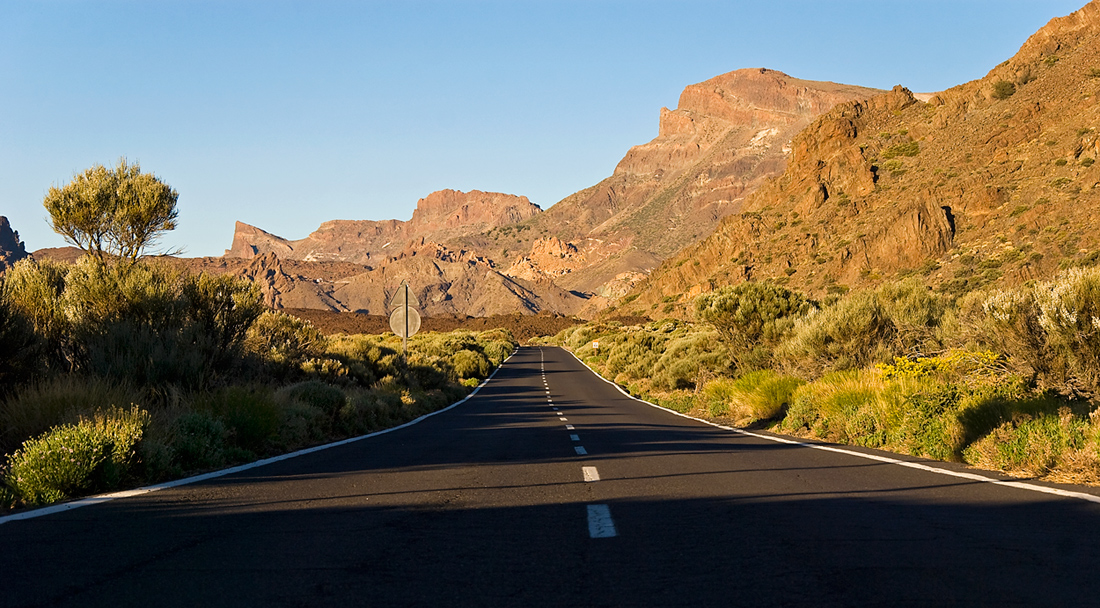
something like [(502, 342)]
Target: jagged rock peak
[(438, 216), (11, 248)]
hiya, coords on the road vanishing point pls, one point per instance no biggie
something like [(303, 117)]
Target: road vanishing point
[(551, 487)]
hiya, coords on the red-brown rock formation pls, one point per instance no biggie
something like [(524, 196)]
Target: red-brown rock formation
[(439, 216), (991, 182)]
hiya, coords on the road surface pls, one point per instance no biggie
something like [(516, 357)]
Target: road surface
[(603, 501)]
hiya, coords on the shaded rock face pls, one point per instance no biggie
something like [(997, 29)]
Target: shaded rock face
[(973, 189), (11, 248), (439, 216)]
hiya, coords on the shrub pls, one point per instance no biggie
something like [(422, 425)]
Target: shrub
[(93, 455), (470, 364), (750, 316), (854, 332), (222, 309), (1052, 328), (910, 148), (1031, 446), (1003, 89), (249, 414), (62, 400), (198, 441), (19, 344), (866, 327), (758, 395), (33, 292), (687, 359), (325, 397), (283, 339)]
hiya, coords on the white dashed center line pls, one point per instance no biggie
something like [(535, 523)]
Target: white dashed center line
[(569, 427), (600, 524), (590, 473), (581, 451)]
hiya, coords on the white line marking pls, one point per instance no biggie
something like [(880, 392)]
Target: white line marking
[(1020, 485), (575, 437), (590, 473), (569, 427), (102, 498), (599, 522), (580, 450), (563, 419)]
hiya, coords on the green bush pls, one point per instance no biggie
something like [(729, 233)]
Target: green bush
[(750, 318), (866, 327), (854, 332), (222, 309), (1003, 89), (325, 397), (70, 460), (143, 322), (199, 441), (1052, 328), (33, 291), (20, 345), (1032, 445), (470, 364), (250, 415), (755, 396), (283, 339), (61, 400), (910, 148)]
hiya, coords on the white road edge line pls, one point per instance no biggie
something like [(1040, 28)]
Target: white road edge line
[(1019, 485), (590, 473), (600, 524), (102, 498)]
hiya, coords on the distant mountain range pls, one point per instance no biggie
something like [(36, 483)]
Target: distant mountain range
[(727, 136), (755, 176)]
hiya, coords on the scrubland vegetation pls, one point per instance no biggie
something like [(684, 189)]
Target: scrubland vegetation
[(1000, 379), (115, 375), (119, 370)]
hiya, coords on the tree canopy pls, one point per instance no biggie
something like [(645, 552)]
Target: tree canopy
[(115, 212)]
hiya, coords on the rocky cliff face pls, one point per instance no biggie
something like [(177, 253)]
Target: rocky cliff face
[(439, 216), (727, 136), (990, 182), (11, 248)]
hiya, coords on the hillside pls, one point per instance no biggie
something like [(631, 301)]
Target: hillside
[(726, 137), (991, 182)]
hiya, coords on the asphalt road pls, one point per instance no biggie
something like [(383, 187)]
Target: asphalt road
[(493, 504)]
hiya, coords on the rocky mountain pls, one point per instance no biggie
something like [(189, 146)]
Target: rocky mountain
[(11, 248), (440, 216), (446, 282), (991, 182), (726, 137)]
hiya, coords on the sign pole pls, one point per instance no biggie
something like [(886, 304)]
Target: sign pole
[(405, 336)]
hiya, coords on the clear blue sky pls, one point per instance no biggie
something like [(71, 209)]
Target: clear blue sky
[(288, 114)]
